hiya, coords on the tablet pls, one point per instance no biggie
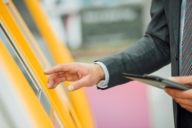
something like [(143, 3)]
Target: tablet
[(156, 81)]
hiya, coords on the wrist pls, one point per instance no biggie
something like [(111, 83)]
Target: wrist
[(99, 71)]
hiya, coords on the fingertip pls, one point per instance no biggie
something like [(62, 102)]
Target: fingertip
[(71, 88), (47, 71), (50, 87), (166, 89), (50, 70), (50, 84), (171, 78)]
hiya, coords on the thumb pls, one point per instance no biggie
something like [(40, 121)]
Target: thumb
[(182, 79), (84, 82)]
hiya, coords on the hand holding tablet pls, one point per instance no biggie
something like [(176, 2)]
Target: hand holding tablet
[(157, 81)]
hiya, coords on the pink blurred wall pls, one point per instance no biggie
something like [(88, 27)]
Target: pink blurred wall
[(124, 106)]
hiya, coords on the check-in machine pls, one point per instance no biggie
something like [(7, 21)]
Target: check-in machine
[(25, 62)]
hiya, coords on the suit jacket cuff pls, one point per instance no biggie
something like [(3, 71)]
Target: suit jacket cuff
[(103, 84)]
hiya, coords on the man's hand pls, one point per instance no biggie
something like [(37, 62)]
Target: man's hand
[(183, 98), (83, 75)]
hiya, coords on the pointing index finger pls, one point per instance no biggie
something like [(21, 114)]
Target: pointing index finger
[(57, 68)]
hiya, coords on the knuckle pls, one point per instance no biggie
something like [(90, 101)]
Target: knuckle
[(174, 93), (176, 100)]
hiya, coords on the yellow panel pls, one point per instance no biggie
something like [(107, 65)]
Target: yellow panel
[(59, 52), (61, 55), (38, 116), (63, 113), (61, 95), (29, 37)]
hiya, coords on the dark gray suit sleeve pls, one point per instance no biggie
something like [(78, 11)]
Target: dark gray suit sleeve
[(150, 53)]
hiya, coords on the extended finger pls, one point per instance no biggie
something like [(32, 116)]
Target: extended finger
[(56, 82), (52, 78), (187, 102), (188, 108), (71, 77), (179, 94), (182, 79), (84, 82), (56, 75), (59, 68)]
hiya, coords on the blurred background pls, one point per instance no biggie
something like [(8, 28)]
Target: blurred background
[(92, 29), (96, 28)]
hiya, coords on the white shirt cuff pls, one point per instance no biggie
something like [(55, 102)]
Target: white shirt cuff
[(103, 83)]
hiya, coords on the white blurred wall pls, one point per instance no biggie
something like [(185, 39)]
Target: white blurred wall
[(161, 104)]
